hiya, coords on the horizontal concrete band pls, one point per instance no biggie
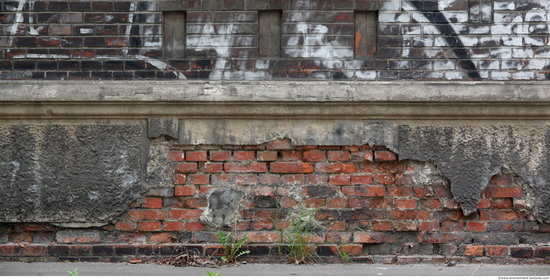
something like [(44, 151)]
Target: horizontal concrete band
[(276, 100)]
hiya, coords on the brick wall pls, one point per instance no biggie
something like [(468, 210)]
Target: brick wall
[(365, 202), (227, 40)]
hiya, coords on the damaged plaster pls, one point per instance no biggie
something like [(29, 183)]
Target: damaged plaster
[(69, 173)]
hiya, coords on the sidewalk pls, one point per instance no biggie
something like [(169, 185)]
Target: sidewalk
[(123, 269)]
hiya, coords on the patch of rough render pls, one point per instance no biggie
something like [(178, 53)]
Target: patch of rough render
[(69, 173), (469, 155), (159, 171), (223, 207)]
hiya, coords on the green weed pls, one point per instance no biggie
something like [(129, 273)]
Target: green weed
[(212, 273), (73, 272), (297, 248), (232, 249)]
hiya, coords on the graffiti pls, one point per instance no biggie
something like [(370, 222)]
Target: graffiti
[(423, 40)]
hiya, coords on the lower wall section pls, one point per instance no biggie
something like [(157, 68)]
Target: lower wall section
[(359, 204)]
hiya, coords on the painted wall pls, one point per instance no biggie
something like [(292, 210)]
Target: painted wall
[(418, 40)]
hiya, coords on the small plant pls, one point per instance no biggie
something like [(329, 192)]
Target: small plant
[(345, 257), (73, 272), (297, 248), (232, 250), (212, 273)]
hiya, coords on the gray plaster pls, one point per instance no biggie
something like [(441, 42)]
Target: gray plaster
[(222, 208), (69, 173), (158, 127), (469, 155)]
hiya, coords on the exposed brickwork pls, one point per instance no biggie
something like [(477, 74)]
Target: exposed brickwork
[(229, 40), (359, 211)]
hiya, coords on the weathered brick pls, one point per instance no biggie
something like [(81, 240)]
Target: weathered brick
[(185, 190), (314, 156), (291, 167), (405, 203), (385, 156), (152, 203), (149, 226), (220, 155), (335, 168), (476, 226), (503, 192), (497, 251), (185, 214), (243, 155), (186, 167), (267, 156), (195, 156), (254, 167), (521, 252), (474, 250), (374, 237)]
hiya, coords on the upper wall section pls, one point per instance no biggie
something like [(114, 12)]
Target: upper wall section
[(268, 39)]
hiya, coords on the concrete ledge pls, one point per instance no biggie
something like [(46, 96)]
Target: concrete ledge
[(276, 99)]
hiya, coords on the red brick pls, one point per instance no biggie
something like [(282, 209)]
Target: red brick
[(337, 226), (499, 215), (384, 179), (221, 178), (186, 167), (361, 180), (211, 167), (244, 155), (337, 203), (262, 225), (150, 214), (335, 167), (382, 225), (484, 203), (34, 251), (291, 156), (220, 155), (429, 226), (195, 156), (340, 180), (408, 215), (246, 179), (204, 189), (176, 155), (196, 203), (260, 214), (338, 156), (497, 251), (152, 203), (402, 180), (501, 203), (473, 250), (283, 144), (267, 156), (293, 178), (421, 192), (400, 191), (315, 202), (368, 156), (9, 250), (126, 226), (374, 237), (442, 191), (194, 226), (253, 167), (385, 156), (179, 179), (381, 203), (503, 192), (372, 191), (542, 252), (185, 190), (315, 179), (149, 226), (185, 214), (163, 238), (431, 203), (476, 226), (405, 203), (199, 179), (291, 167), (172, 226), (352, 250), (351, 148), (269, 179), (288, 202), (261, 236), (359, 202), (502, 180), (521, 252), (314, 156), (405, 226)]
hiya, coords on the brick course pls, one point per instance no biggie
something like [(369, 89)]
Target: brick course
[(362, 215)]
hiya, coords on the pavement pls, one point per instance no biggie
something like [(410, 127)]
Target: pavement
[(125, 269)]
